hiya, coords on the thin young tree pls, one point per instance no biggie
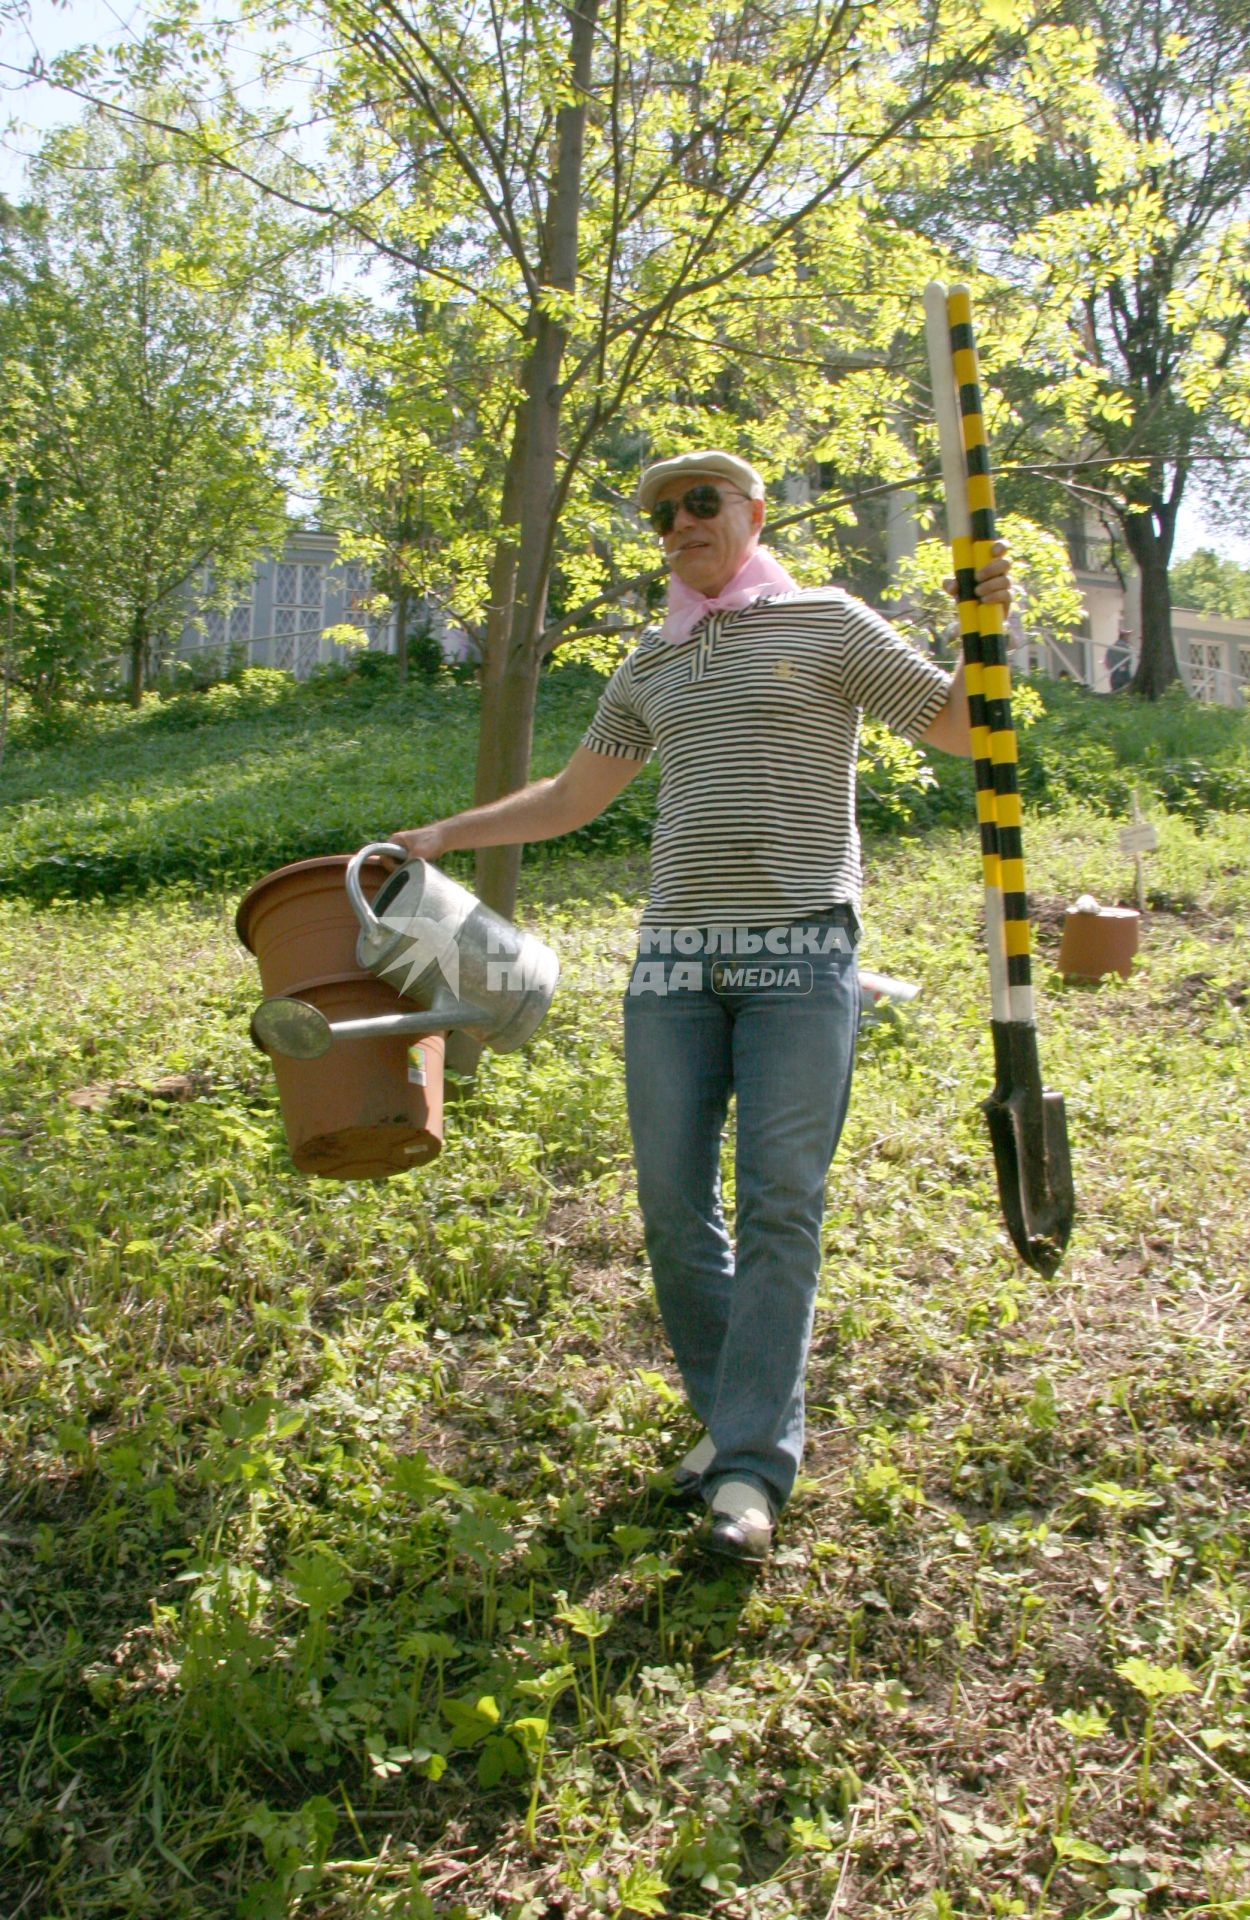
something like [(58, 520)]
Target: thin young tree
[(633, 212), (655, 239)]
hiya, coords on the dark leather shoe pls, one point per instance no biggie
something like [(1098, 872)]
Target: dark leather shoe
[(736, 1540)]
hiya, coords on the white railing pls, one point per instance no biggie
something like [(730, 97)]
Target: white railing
[(1215, 686)]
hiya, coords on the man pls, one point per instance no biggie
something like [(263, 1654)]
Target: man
[(745, 982)]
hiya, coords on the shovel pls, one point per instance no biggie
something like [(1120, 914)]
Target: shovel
[(1027, 1123)]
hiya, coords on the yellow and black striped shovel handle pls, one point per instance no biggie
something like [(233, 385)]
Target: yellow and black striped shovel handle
[(988, 674)]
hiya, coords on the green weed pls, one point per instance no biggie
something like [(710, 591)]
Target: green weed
[(335, 1574)]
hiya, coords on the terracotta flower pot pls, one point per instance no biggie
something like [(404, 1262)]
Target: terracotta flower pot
[(369, 1107), (299, 922), (1098, 943)]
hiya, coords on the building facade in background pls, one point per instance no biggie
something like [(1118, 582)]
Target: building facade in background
[(284, 617), (1212, 653)]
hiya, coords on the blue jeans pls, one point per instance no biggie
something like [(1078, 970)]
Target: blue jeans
[(699, 1026)]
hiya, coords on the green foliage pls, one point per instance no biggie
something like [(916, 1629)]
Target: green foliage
[(696, 260), (246, 695), (218, 787), (1153, 1682), (1095, 749), (141, 289), (295, 1846), (1107, 228), (333, 1557), (1046, 600), (895, 778), (383, 404), (1211, 584)]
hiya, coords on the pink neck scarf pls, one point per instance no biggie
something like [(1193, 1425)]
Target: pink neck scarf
[(758, 574)]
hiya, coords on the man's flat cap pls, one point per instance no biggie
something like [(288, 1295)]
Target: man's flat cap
[(706, 465)]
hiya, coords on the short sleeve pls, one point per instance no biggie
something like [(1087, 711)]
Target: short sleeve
[(886, 676), (618, 728)]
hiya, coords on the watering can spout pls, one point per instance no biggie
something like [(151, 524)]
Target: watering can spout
[(301, 1032)]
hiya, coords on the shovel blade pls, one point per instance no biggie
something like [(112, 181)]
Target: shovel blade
[(1029, 1136)]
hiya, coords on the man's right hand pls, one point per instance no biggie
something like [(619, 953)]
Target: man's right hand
[(422, 843)]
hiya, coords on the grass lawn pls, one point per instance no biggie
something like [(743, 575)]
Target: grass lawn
[(336, 1576)]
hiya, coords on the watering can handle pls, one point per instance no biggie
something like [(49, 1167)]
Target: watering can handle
[(363, 911)]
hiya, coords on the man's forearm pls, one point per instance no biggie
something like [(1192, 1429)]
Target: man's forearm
[(535, 812), (949, 730), (957, 707)]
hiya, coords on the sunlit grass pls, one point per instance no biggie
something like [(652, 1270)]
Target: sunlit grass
[(334, 1574)]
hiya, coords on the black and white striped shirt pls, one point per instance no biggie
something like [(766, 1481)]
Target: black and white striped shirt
[(756, 721)]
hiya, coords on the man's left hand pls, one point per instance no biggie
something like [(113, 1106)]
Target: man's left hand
[(993, 579)]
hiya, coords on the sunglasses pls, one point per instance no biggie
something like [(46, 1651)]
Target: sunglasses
[(704, 501)]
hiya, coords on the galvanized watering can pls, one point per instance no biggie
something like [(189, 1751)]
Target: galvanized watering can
[(434, 942)]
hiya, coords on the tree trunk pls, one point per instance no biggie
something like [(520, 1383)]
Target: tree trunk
[(506, 741), (512, 658), (1150, 534), (138, 655), (401, 627), (10, 610)]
